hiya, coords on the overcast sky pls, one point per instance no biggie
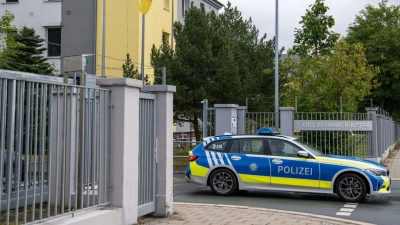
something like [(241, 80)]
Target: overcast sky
[(290, 11)]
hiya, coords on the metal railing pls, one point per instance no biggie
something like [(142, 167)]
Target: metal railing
[(256, 120), (54, 144), (351, 143)]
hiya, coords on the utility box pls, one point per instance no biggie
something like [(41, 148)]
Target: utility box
[(226, 119)]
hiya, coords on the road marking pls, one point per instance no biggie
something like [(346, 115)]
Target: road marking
[(350, 206), (347, 209), (343, 214)]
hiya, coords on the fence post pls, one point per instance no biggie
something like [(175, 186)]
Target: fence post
[(205, 117), (287, 120), (164, 147), (241, 120), (373, 136), (124, 150)]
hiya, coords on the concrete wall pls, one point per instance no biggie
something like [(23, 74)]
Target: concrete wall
[(36, 14), (78, 30)]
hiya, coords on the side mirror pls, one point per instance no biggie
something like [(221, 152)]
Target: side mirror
[(302, 154)]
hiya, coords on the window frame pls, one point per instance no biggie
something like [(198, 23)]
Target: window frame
[(226, 148), (50, 47)]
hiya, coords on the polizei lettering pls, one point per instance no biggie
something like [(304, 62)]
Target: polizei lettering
[(295, 170)]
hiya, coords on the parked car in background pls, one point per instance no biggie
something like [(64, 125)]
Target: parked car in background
[(268, 161)]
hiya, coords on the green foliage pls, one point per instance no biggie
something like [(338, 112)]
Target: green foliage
[(129, 71), (26, 54), (5, 39), (319, 83), (219, 58), (378, 30), (314, 38)]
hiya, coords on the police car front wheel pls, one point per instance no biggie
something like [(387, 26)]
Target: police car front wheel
[(223, 182), (351, 188)]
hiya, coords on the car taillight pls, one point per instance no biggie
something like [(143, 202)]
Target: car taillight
[(193, 158)]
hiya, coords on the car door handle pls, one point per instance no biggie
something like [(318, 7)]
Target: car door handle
[(235, 157), (277, 161)]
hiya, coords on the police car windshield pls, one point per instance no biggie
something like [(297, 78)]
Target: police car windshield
[(309, 148)]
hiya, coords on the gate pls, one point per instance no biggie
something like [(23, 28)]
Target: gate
[(54, 147), (147, 154)]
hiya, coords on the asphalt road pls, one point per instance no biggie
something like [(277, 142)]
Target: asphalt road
[(382, 211)]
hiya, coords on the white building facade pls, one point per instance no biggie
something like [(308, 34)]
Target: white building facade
[(208, 5), (42, 15)]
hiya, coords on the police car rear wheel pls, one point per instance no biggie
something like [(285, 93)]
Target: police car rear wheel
[(351, 188), (223, 182)]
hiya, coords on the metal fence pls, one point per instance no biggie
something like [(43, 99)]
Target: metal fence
[(147, 160), (55, 146), (368, 143), (256, 120), (352, 143)]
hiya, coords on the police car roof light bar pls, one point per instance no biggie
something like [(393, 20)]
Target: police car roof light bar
[(268, 131)]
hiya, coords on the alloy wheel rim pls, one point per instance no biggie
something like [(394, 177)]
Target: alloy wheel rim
[(350, 188), (223, 182)]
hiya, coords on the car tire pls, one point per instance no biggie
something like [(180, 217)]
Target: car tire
[(351, 188), (223, 182)]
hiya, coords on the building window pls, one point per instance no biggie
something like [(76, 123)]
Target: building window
[(166, 36), (202, 6), (166, 4), (183, 8), (11, 1), (54, 42)]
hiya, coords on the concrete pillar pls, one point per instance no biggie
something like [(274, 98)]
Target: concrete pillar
[(164, 149), (373, 137), (287, 120), (241, 120), (124, 145), (225, 118)]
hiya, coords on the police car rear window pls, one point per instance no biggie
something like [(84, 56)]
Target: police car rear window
[(217, 145)]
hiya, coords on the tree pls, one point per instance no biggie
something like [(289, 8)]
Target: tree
[(6, 40), (129, 71), (26, 56), (314, 38), (378, 30), (320, 83), (219, 58)]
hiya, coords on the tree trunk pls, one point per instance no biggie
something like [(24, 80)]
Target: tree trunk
[(196, 128)]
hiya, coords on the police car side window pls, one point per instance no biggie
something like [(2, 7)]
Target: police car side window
[(251, 146), (283, 148), (235, 146), (217, 145)]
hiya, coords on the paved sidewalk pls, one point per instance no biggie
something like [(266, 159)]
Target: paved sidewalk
[(209, 214), (392, 162)]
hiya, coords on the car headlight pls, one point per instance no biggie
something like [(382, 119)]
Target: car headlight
[(377, 172)]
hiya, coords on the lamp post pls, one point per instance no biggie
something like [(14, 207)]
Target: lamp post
[(276, 68)]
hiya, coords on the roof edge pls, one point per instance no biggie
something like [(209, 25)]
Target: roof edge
[(215, 3)]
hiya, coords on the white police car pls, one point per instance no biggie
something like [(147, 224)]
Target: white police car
[(276, 162)]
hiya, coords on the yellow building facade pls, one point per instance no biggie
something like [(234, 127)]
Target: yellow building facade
[(123, 33)]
